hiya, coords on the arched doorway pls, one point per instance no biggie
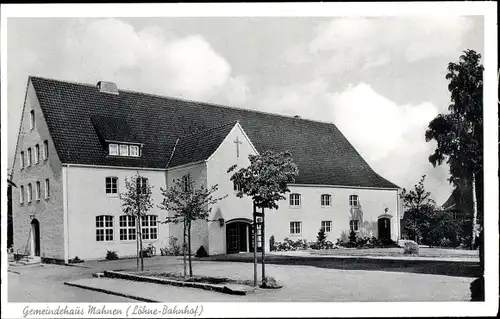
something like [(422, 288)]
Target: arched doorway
[(35, 238), (384, 226), (239, 235)]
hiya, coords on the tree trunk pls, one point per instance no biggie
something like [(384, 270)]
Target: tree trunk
[(254, 246), (474, 209), (137, 240), (189, 250), (184, 249), (262, 235), (140, 244)]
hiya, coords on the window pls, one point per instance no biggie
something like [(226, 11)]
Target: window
[(47, 188), (32, 119), (111, 185), (30, 154), (37, 191), (326, 225), (295, 228), (295, 200), (134, 150), (236, 187), (37, 153), (141, 185), (354, 225), (149, 227), (186, 183), (326, 200), (123, 150), (22, 160), (127, 227), (104, 228), (29, 193), (45, 149), (354, 200), (21, 195), (113, 149)]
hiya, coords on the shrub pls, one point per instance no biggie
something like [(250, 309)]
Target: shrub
[(271, 283), (344, 237), (410, 248), (289, 244), (321, 238), (75, 260), (111, 255), (172, 249), (201, 252), (353, 240), (445, 242)]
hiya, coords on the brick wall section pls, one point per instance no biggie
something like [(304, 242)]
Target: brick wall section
[(49, 212)]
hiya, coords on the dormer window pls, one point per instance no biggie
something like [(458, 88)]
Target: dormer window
[(113, 149), (134, 150), (123, 150)]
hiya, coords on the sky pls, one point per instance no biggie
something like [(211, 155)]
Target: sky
[(379, 80)]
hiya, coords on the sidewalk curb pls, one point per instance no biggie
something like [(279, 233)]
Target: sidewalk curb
[(109, 292), (205, 286)]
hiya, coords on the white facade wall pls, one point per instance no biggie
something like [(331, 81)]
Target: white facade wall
[(199, 229), (86, 198), (231, 207), (311, 213)]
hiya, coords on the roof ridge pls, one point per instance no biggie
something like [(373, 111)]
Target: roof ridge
[(208, 129), (203, 103)]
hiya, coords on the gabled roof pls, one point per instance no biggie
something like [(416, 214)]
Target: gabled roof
[(200, 145), (114, 129), (322, 153)]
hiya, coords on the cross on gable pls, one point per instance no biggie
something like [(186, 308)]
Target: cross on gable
[(237, 142)]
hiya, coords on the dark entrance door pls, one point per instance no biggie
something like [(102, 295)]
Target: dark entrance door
[(384, 228), (35, 228), (237, 237)]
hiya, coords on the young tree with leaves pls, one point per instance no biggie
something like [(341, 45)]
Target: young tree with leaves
[(321, 238), (136, 202), (418, 205), (266, 181), (186, 204), (459, 134)]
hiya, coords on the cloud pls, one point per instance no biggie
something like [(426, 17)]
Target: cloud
[(390, 137), (350, 43)]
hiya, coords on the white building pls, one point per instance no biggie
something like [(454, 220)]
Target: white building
[(78, 143)]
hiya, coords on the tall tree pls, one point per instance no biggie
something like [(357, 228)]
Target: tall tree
[(136, 202), (186, 204), (265, 180), (459, 133)]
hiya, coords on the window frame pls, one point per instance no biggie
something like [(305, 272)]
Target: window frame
[(354, 223), (38, 191), (105, 227), (186, 183), (292, 201), (21, 195), (326, 224), (112, 178), (23, 160), (110, 148), (353, 199), (147, 229), (30, 156), (139, 185), (29, 193), (323, 202), (47, 188), (136, 147), (37, 153), (130, 228), (125, 147), (45, 150), (32, 120), (293, 225)]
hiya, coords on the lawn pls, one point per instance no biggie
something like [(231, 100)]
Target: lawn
[(398, 252)]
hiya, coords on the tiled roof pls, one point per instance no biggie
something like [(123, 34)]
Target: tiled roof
[(322, 153), (200, 145)]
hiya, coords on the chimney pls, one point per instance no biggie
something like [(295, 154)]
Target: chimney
[(107, 87)]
